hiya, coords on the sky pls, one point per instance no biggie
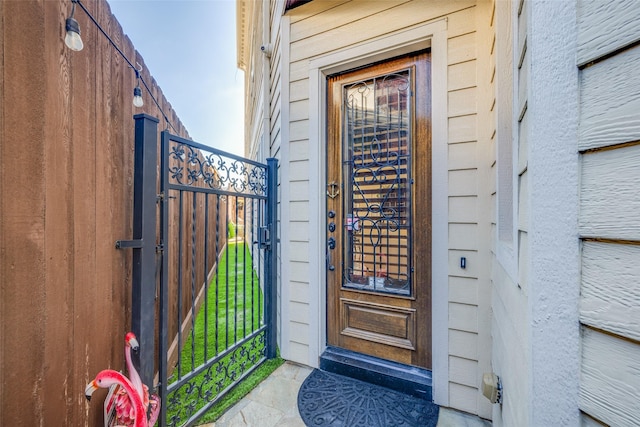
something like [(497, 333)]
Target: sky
[(189, 47)]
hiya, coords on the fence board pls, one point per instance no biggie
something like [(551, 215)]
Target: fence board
[(68, 161)]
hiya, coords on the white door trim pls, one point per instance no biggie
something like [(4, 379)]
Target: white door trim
[(434, 35)]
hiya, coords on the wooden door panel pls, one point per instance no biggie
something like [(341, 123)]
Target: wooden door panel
[(379, 222)]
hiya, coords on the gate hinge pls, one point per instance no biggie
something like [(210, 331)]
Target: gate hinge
[(159, 247), (125, 244)]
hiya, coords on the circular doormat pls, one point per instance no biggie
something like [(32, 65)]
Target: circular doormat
[(327, 399)]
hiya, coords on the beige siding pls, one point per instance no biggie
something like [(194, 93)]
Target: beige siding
[(605, 27), (610, 195), (610, 383), (320, 28), (610, 289), (609, 223), (610, 101), (510, 352)]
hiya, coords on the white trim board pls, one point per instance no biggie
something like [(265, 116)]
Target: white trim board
[(434, 35)]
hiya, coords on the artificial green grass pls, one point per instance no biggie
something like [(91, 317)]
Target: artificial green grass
[(234, 309)]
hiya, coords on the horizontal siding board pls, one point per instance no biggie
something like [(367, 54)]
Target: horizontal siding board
[(339, 16), (605, 27), (472, 266), (463, 102), (463, 397), (463, 182), (369, 27), (463, 317), (463, 290), (462, 155), (463, 371), (610, 101), (462, 75), (463, 209), (610, 295), (463, 344), (462, 21), (461, 48), (610, 380), (462, 129), (610, 194), (463, 236)]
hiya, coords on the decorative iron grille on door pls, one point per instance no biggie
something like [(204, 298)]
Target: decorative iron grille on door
[(377, 169)]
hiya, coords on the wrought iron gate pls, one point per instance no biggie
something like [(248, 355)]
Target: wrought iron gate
[(216, 263)]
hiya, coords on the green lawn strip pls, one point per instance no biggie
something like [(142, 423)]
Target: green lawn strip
[(239, 304)]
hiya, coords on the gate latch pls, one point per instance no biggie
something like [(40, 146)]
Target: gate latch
[(264, 240)]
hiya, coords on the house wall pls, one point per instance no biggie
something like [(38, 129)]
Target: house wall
[(66, 196), (536, 289), (609, 85), (508, 75), (321, 29)]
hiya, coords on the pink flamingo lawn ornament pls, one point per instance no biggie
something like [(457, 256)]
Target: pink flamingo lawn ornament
[(131, 342), (109, 377)]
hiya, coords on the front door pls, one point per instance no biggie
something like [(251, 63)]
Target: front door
[(379, 210)]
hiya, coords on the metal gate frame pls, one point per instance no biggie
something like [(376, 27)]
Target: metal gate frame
[(190, 167)]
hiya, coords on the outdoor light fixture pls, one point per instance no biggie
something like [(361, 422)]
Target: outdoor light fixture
[(74, 42), (73, 39), (137, 97), (137, 92)]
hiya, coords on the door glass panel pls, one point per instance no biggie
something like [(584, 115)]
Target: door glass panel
[(377, 173)]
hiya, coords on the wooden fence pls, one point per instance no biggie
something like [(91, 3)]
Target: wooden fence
[(66, 196)]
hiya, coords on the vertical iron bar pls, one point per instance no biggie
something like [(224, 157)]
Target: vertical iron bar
[(206, 270), (217, 261), (235, 270), (194, 241), (180, 263), (164, 283), (144, 258), (245, 305), (272, 253)]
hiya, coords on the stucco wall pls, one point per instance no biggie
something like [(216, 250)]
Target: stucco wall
[(536, 337)]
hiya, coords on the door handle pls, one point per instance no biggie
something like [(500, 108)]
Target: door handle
[(331, 245)]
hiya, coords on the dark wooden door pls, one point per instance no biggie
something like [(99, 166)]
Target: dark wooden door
[(379, 210)]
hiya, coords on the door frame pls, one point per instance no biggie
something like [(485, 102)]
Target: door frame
[(420, 37)]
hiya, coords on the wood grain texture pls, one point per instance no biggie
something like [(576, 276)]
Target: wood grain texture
[(610, 379), (23, 216), (610, 195), (610, 294), (66, 162), (604, 27), (610, 101)]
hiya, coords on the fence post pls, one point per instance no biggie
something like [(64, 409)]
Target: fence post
[(144, 257), (271, 302)]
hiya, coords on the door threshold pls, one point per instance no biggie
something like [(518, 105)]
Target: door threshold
[(396, 376)]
